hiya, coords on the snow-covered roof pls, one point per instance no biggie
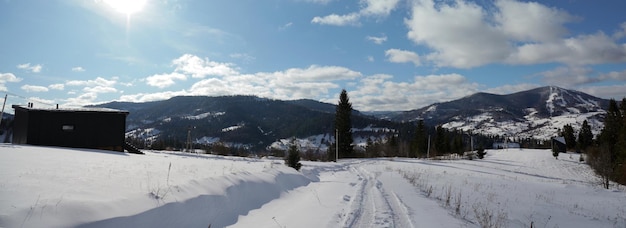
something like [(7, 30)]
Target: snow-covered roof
[(69, 109)]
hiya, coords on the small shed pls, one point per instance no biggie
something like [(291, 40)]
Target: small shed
[(94, 128), (558, 144)]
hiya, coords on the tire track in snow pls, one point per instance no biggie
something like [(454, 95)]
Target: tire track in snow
[(372, 206)]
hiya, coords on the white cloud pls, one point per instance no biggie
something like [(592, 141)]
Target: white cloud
[(91, 89), (621, 32), (81, 100), (338, 20), (57, 86), (146, 97), (78, 69), (462, 34), (379, 8), (200, 68), (41, 101), (457, 33), (293, 83), (370, 58), (318, 1), (581, 50), (377, 39), (531, 21), (577, 76), (313, 73), (8, 77), (614, 75), (609, 91), (508, 89), (402, 56), (369, 8), (378, 92), (285, 26), (96, 82), (164, 80), (568, 76), (33, 88), (243, 56), (32, 68), (100, 89)]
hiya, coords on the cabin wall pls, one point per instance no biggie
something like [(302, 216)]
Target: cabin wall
[(96, 130)]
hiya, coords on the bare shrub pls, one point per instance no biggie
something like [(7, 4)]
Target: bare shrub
[(487, 218)]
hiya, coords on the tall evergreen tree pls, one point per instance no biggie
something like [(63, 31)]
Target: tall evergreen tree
[(343, 125), (621, 139), (457, 142), (610, 133), (568, 134), (585, 136), (442, 143), (605, 158), (420, 141)]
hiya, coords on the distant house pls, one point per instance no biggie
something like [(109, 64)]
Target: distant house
[(95, 128), (505, 145), (558, 144)]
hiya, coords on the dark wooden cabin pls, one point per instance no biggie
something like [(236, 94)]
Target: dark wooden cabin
[(558, 144), (94, 128)]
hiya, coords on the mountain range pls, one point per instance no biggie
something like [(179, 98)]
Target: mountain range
[(259, 122), (537, 113)]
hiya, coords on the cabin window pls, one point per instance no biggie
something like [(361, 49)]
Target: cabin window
[(68, 128)]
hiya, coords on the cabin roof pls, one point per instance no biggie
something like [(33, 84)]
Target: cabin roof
[(70, 109)]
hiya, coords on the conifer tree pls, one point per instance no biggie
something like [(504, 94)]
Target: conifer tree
[(610, 133), (568, 134), (419, 143), (343, 125), (621, 139), (585, 136), (480, 152), (293, 156), (442, 144), (605, 158)]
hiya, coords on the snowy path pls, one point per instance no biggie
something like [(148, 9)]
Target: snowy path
[(60, 187), (351, 194), (373, 206)]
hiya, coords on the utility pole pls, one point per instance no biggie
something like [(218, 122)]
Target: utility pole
[(189, 139), (336, 145), (5, 102), (428, 150), (471, 141)]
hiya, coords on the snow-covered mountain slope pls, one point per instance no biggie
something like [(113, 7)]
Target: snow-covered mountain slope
[(245, 121), (60, 187), (538, 113)]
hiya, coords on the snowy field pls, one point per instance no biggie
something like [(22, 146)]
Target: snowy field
[(60, 187)]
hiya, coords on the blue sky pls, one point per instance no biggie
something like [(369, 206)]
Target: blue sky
[(388, 54)]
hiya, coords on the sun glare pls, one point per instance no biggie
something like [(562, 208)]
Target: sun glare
[(127, 7)]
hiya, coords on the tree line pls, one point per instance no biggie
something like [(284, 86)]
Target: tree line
[(607, 153)]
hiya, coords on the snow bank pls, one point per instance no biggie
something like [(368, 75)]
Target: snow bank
[(60, 187)]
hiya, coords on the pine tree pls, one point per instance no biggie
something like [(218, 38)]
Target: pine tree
[(343, 125), (612, 126), (621, 138), (293, 156), (585, 136), (442, 143), (419, 143), (481, 152), (568, 134), (604, 158)]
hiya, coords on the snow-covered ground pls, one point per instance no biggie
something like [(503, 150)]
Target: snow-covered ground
[(60, 187)]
